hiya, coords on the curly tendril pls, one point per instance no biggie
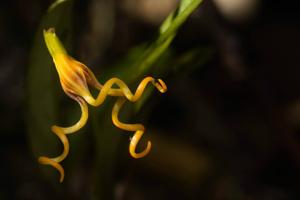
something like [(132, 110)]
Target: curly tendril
[(75, 78)]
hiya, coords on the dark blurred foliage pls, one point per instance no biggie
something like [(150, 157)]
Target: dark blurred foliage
[(226, 129)]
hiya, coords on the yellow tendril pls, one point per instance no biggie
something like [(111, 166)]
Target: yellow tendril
[(75, 78), (61, 132), (138, 128)]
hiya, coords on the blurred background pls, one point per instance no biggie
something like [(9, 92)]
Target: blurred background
[(228, 127)]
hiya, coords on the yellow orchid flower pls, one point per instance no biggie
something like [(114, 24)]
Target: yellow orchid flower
[(75, 79)]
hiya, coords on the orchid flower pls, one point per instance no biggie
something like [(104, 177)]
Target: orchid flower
[(75, 79)]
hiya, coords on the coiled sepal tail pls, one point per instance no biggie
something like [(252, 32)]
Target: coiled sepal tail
[(139, 129), (62, 132)]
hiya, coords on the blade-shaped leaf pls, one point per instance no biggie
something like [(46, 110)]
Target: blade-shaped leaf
[(166, 34), (43, 83)]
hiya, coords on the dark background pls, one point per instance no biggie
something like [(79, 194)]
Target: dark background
[(228, 129)]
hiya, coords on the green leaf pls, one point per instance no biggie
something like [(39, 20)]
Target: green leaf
[(167, 32), (55, 4), (43, 83)]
